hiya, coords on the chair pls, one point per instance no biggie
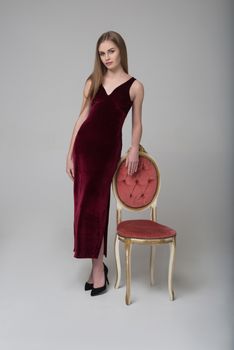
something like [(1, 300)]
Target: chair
[(137, 193)]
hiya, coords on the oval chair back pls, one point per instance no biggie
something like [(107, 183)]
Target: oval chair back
[(140, 190)]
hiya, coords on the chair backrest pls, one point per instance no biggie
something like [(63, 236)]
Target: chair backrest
[(140, 190)]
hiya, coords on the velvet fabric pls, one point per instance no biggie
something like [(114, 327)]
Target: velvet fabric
[(96, 153), (144, 229)]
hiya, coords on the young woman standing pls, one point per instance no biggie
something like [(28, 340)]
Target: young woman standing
[(95, 150)]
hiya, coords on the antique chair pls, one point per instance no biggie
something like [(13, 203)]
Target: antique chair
[(136, 193)]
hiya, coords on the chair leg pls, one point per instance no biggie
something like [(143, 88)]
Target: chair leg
[(128, 249), (171, 269), (117, 261), (152, 264)]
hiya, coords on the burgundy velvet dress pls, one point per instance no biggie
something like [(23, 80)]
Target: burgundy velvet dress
[(96, 153)]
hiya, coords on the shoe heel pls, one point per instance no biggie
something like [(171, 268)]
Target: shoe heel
[(106, 272)]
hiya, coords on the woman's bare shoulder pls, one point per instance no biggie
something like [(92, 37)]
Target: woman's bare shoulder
[(87, 86), (138, 85), (137, 89)]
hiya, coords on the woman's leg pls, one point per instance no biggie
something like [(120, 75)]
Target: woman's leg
[(98, 269), (97, 263), (90, 280)]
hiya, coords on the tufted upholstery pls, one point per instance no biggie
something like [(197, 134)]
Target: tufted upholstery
[(138, 190), (144, 229)]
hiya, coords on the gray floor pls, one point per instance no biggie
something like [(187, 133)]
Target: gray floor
[(44, 306)]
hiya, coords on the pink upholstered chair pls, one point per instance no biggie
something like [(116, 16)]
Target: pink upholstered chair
[(135, 193)]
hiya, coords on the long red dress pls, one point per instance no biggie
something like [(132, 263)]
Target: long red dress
[(96, 152)]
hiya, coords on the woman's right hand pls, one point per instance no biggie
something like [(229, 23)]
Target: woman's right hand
[(70, 167)]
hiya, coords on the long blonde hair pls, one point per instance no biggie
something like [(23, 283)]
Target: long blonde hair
[(99, 69)]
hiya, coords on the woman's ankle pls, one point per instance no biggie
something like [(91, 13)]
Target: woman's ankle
[(98, 267)]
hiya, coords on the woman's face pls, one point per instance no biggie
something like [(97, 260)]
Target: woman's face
[(109, 54)]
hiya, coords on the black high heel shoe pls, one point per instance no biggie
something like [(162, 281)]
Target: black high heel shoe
[(88, 286), (99, 290)]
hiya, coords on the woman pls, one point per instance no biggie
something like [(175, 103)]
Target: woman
[(95, 150)]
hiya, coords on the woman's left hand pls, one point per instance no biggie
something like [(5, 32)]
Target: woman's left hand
[(132, 160)]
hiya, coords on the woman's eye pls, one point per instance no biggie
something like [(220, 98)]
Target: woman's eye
[(102, 53)]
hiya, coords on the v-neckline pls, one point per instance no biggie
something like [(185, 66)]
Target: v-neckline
[(115, 88)]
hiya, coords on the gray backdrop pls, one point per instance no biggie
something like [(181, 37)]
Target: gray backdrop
[(182, 52)]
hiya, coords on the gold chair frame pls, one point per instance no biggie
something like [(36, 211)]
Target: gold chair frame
[(128, 242)]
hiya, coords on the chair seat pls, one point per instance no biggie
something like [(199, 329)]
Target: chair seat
[(144, 229)]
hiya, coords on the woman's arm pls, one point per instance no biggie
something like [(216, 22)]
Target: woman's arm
[(133, 155), (79, 122)]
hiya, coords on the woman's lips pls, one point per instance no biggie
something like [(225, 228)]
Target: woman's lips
[(108, 63)]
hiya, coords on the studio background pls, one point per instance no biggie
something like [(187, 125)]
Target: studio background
[(182, 51)]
